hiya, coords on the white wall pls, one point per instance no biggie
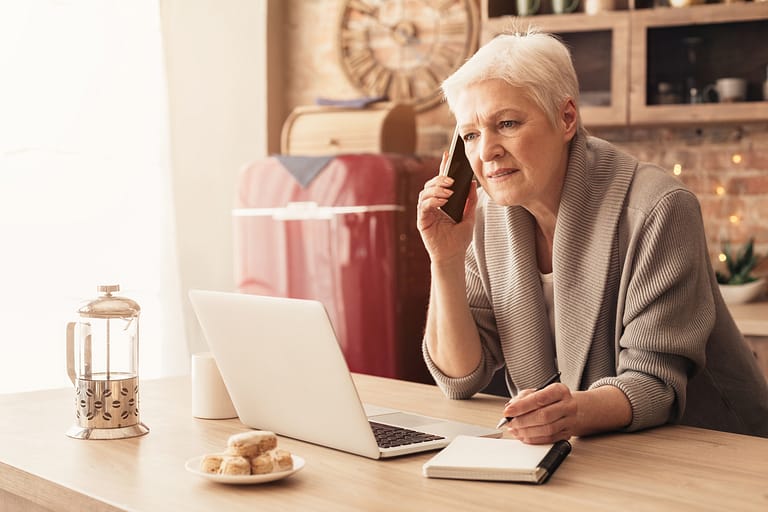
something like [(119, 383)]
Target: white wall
[(217, 66)]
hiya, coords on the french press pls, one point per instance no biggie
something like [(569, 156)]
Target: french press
[(102, 363)]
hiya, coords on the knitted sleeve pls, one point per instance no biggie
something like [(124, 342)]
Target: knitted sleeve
[(669, 311)]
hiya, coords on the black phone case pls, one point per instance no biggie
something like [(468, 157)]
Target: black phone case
[(461, 172)]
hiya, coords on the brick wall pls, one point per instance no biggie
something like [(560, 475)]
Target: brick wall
[(726, 166)]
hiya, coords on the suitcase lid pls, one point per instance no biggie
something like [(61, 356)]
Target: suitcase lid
[(347, 181)]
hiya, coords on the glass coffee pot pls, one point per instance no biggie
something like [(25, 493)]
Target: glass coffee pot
[(102, 363)]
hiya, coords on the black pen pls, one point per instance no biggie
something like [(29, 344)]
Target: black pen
[(550, 380)]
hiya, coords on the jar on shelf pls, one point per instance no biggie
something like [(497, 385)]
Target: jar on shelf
[(666, 94)]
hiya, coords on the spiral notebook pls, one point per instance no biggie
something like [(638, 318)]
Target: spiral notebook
[(510, 460)]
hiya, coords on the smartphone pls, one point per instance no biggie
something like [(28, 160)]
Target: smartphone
[(459, 169)]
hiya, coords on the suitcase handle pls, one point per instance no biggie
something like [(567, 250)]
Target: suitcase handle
[(301, 210), (310, 210)]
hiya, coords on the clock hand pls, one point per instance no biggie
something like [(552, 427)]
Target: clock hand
[(404, 33)]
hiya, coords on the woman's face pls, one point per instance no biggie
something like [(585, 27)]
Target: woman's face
[(519, 158)]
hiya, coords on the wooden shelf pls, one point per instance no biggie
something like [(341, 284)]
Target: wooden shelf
[(610, 33), (751, 318), (700, 20), (626, 62), (642, 114)]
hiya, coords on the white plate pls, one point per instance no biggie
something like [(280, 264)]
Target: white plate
[(193, 466)]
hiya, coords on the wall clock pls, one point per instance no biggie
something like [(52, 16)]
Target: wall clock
[(404, 49)]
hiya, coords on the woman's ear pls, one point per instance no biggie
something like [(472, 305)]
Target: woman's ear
[(569, 116)]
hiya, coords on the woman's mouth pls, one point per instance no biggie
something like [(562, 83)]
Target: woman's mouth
[(500, 173)]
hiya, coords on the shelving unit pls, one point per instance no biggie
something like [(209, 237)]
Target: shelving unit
[(625, 52), (599, 45), (731, 35)]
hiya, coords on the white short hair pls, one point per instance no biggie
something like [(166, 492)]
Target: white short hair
[(535, 61)]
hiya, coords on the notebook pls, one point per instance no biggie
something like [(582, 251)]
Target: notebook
[(471, 458), (285, 372)]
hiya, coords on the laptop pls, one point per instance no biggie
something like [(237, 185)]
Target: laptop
[(285, 372)]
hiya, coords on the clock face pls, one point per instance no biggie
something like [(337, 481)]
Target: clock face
[(404, 49)]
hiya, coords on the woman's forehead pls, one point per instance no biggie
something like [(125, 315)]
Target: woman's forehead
[(489, 98)]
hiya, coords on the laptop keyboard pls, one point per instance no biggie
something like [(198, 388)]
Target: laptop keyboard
[(388, 436)]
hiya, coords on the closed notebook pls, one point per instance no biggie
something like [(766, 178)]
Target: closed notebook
[(477, 458)]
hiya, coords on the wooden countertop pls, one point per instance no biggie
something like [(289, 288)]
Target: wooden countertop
[(668, 468), (751, 318)]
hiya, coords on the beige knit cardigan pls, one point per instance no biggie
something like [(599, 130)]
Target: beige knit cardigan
[(637, 305)]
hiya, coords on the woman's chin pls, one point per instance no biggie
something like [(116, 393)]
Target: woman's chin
[(505, 197)]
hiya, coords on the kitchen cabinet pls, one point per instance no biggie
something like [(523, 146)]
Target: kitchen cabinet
[(621, 56), (727, 40), (599, 45)]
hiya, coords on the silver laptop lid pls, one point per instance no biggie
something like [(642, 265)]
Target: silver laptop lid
[(284, 369)]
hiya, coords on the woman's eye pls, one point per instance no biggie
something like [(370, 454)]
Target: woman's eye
[(508, 124), (468, 137)]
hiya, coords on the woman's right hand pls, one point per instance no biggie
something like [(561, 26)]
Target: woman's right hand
[(444, 239)]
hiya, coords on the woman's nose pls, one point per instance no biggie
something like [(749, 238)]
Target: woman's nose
[(490, 149)]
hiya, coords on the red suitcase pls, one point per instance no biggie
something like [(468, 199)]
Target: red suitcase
[(348, 238)]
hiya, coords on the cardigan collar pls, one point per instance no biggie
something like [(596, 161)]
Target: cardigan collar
[(596, 183), (592, 201)]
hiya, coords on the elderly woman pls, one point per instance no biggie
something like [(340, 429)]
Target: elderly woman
[(574, 257)]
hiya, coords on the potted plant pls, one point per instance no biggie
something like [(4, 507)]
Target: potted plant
[(738, 285)]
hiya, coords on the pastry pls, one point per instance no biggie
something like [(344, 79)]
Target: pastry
[(282, 459), (262, 464), (273, 460), (252, 443), (249, 453), (235, 465), (211, 462)]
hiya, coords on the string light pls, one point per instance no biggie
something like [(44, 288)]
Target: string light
[(677, 170), (734, 219), (720, 190), (736, 158), (721, 257)]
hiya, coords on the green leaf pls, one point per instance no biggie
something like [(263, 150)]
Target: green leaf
[(729, 259), (740, 266)]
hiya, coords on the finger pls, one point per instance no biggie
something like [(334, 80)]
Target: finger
[(443, 162), (428, 194), (432, 192), (520, 395), (550, 433), (511, 409), (530, 400), (537, 419), (440, 182), (430, 203)]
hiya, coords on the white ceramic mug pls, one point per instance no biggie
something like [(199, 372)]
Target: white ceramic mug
[(210, 398), (527, 7), (684, 3), (564, 6), (728, 90), (597, 6)]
